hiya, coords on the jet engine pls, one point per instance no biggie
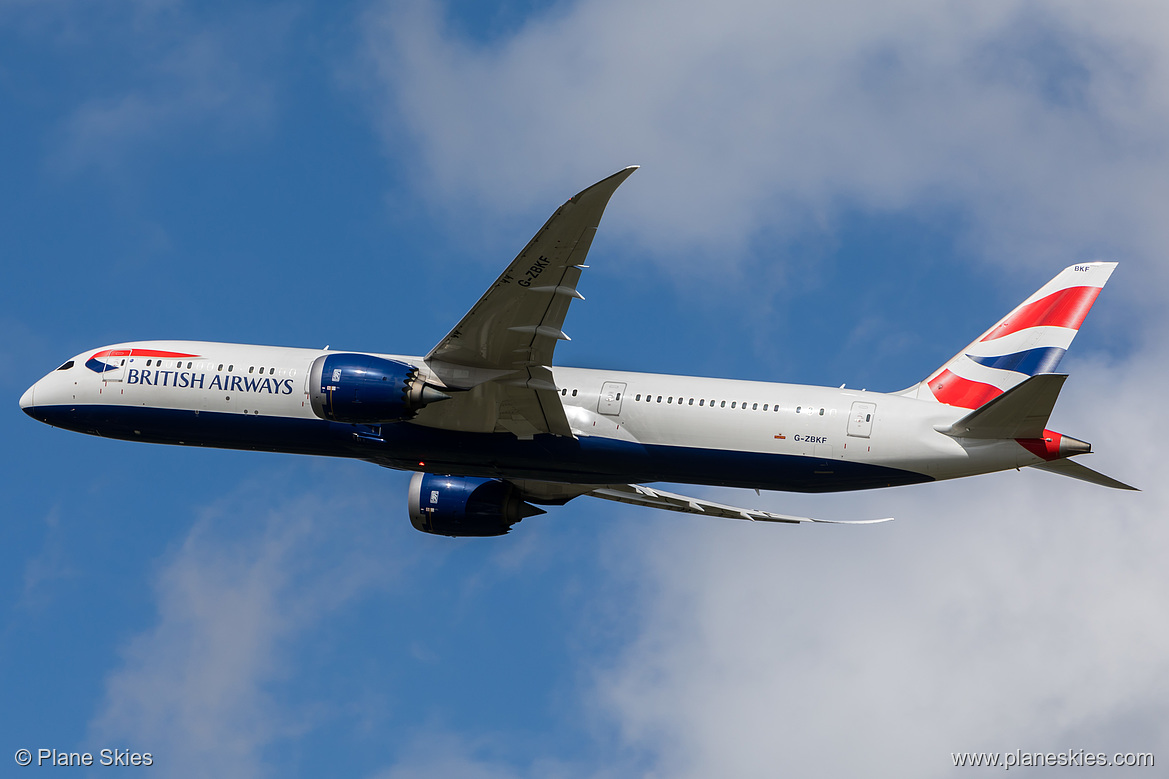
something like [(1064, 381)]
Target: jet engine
[(465, 506), (363, 389)]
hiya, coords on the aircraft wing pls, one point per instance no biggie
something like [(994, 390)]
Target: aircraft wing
[(640, 495), (518, 321), (507, 338)]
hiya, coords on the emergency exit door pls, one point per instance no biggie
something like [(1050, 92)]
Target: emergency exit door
[(610, 402), (860, 420)]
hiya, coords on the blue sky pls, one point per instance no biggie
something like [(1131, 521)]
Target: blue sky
[(829, 194)]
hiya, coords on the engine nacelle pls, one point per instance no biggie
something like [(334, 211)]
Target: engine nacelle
[(465, 506), (363, 389)]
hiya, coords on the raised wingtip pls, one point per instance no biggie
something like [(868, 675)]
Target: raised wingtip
[(605, 186), (853, 521)]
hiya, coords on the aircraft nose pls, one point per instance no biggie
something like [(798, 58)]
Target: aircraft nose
[(26, 401)]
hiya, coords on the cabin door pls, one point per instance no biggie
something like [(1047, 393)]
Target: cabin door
[(610, 402), (115, 363), (860, 419)]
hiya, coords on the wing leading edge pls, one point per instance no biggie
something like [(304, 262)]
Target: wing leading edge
[(517, 322), (509, 335)]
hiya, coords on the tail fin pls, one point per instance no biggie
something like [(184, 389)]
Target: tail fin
[(1030, 340)]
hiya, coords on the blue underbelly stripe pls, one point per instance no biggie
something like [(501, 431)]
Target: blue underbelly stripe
[(550, 458)]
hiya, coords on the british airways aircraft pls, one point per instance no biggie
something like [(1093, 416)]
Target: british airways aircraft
[(491, 427)]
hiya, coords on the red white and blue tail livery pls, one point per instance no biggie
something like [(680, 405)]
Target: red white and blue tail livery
[(492, 428), (1030, 340)]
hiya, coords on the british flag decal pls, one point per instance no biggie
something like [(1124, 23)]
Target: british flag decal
[(1030, 340)]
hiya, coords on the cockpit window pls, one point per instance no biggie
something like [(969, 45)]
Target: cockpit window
[(66, 366)]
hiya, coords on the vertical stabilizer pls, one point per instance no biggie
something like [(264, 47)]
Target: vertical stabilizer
[(1029, 341)]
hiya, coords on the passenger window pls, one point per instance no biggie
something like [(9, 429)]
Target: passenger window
[(868, 417), (148, 363), (821, 412), (220, 366), (188, 366), (722, 404), (564, 391), (732, 404), (764, 406), (670, 399), (574, 393), (798, 409), (618, 396), (229, 368), (638, 396), (252, 368), (691, 401), (702, 401), (754, 406), (659, 398)]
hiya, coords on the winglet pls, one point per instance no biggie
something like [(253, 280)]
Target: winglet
[(605, 187)]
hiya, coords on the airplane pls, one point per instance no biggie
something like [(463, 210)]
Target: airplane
[(492, 430)]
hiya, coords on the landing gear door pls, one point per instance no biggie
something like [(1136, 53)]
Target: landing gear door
[(860, 419), (610, 402)]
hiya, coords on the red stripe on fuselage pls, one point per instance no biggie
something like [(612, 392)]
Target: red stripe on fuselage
[(953, 390), (139, 353), (1065, 308)]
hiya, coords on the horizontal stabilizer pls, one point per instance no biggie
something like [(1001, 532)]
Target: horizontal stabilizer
[(639, 495), (1020, 412), (1076, 471)]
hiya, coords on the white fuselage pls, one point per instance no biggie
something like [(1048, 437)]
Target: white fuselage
[(656, 427)]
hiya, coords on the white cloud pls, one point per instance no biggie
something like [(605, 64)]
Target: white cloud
[(49, 565), (201, 689), (1041, 123), (439, 755), (1007, 611), (178, 79)]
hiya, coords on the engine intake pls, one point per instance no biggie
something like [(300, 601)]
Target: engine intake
[(363, 389), (465, 506)]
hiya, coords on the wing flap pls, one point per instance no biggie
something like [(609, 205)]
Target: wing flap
[(640, 495)]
